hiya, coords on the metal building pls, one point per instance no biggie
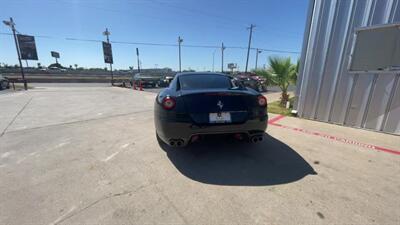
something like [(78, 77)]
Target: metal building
[(326, 90)]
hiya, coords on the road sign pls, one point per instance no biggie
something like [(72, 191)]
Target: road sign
[(55, 54), (27, 47), (232, 65), (107, 51)]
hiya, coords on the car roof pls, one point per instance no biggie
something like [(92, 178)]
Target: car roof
[(201, 73)]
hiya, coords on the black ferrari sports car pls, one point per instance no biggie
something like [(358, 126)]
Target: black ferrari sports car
[(198, 104)]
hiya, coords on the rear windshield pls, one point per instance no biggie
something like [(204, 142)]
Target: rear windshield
[(204, 81)]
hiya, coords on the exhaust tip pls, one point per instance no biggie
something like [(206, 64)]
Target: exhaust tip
[(176, 142), (256, 139)]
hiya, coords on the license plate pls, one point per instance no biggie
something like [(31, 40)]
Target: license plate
[(222, 117)]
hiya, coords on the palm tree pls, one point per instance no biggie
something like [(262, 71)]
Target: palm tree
[(295, 73), (281, 73), (76, 66)]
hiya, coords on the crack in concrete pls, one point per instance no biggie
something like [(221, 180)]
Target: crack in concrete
[(74, 122), (66, 217), (173, 205), (15, 117)]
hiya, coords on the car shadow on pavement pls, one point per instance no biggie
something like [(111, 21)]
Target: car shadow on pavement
[(230, 162)]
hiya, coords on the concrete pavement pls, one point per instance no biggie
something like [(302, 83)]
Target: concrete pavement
[(90, 156)]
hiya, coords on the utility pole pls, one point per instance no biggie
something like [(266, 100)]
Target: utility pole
[(107, 34), (180, 40), (258, 51), (138, 62), (213, 60), (248, 48), (11, 24), (222, 57)]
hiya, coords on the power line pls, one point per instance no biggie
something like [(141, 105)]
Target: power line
[(230, 23), (86, 40), (199, 12), (233, 22), (161, 44), (229, 20)]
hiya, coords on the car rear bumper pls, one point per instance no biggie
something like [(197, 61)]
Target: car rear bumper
[(169, 130)]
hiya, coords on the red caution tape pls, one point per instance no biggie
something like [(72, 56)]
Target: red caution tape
[(331, 137)]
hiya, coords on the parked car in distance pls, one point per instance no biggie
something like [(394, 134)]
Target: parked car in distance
[(253, 81), (145, 80), (4, 82), (165, 81), (199, 104)]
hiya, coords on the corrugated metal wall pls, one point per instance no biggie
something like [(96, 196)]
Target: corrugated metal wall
[(325, 90)]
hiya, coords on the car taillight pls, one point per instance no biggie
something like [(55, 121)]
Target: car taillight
[(168, 103), (262, 101)]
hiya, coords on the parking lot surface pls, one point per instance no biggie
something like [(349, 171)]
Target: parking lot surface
[(89, 155)]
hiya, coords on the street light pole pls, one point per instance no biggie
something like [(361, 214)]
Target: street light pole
[(213, 60), (11, 24), (107, 34), (248, 48), (138, 63), (258, 51), (180, 40), (222, 57)]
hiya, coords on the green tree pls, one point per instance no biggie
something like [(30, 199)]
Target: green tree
[(282, 73), (295, 73)]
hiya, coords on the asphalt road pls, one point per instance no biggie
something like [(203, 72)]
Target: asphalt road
[(88, 155)]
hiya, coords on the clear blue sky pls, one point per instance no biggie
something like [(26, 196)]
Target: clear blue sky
[(279, 25)]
